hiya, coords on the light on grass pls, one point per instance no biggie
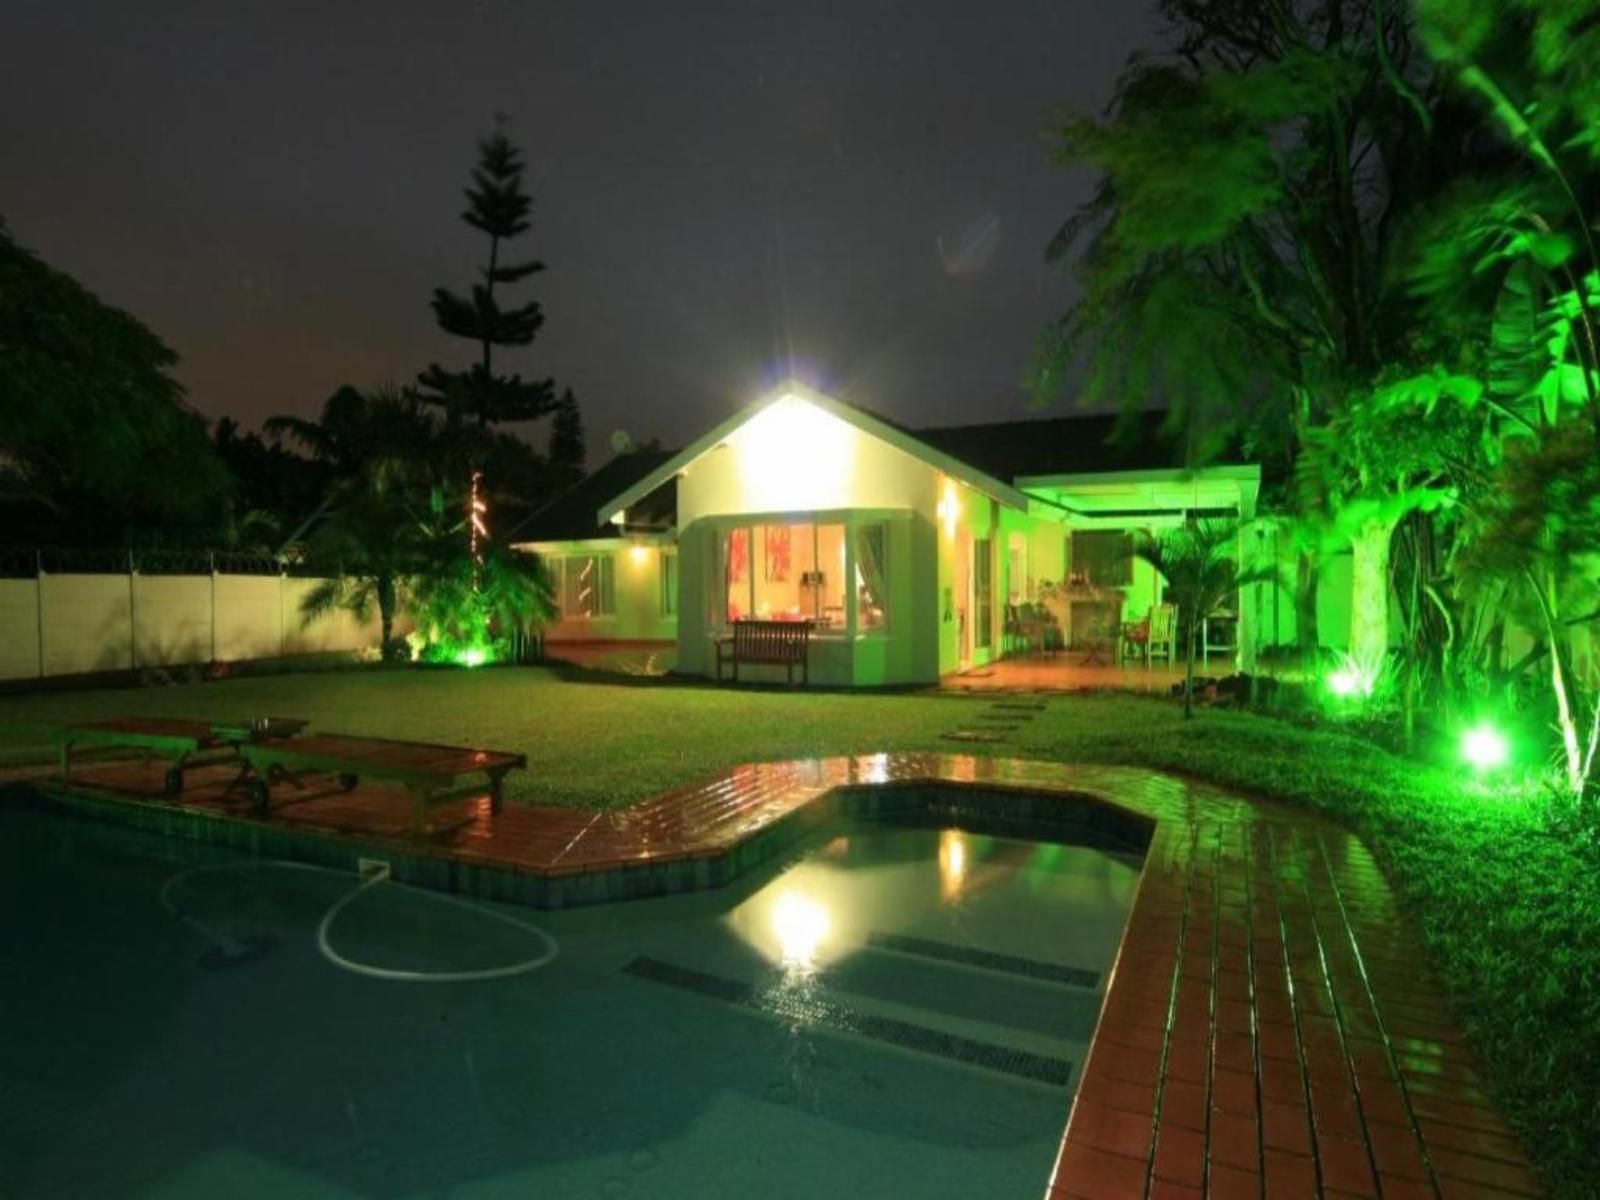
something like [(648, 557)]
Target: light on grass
[(1345, 683), (1484, 748), (1351, 681)]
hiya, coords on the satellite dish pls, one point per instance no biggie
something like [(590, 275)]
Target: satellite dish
[(621, 442)]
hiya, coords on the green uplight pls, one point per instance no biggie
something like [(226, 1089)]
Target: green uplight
[(472, 656), (1345, 683), (1485, 748)]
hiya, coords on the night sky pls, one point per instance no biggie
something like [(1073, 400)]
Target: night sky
[(863, 188)]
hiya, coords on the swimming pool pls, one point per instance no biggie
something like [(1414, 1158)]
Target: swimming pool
[(889, 1009)]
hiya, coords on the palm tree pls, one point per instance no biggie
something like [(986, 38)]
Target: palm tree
[(1200, 572), (465, 605), (378, 540), (377, 522)]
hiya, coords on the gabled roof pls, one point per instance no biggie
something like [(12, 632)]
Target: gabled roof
[(1081, 443), (913, 444), (571, 515)]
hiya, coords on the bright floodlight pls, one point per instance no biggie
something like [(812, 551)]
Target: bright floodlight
[(1485, 748), (1346, 682), (472, 656)]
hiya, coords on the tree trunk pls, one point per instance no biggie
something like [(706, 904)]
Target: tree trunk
[(1369, 595), (1188, 667), (1305, 612), (1566, 710), (386, 606)]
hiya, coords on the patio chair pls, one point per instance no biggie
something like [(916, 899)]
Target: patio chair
[(1025, 627), (1104, 633), (1162, 639), (1135, 642)]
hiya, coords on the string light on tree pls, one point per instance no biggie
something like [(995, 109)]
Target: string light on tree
[(477, 523)]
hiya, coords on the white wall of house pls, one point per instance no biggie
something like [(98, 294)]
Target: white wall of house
[(794, 461), (642, 608)]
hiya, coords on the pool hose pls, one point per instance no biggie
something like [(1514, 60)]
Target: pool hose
[(231, 950)]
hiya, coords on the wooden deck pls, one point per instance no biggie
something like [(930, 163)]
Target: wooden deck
[(1270, 1027)]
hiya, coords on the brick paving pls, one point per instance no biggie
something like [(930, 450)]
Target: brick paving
[(1270, 1028)]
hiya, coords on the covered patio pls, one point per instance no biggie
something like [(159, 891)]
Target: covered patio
[(1068, 672)]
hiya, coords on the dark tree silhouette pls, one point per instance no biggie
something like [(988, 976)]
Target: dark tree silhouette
[(97, 446), (567, 449), (498, 207), (274, 489)]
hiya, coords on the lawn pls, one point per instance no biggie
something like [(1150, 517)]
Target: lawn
[(1509, 909)]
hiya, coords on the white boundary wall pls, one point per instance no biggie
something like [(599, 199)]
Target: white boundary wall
[(65, 624)]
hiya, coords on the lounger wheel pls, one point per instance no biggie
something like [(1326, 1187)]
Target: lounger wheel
[(174, 781), (347, 781), (260, 796)]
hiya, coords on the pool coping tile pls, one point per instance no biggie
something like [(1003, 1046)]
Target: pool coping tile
[(1266, 1023)]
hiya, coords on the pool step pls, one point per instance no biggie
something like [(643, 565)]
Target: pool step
[(985, 960), (814, 1008)]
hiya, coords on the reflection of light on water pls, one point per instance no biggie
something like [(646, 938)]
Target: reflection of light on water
[(800, 924), (952, 864), (874, 768)]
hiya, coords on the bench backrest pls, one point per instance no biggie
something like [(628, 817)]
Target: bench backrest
[(771, 641)]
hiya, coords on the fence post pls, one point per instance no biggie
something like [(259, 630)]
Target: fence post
[(38, 603), (133, 619), (211, 560)]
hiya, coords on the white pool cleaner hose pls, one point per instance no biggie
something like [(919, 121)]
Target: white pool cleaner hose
[(230, 945)]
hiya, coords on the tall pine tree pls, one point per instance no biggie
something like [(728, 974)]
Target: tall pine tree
[(567, 450), (497, 206)]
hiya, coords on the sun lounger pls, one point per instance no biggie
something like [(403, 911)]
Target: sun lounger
[(174, 739), (431, 774)]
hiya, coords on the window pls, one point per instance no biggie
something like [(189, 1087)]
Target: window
[(669, 584), (983, 592), (788, 572), (588, 586), (1099, 558), (872, 578), (1016, 569)]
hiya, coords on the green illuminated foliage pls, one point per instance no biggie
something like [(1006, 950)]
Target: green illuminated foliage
[(1198, 563), (463, 607)]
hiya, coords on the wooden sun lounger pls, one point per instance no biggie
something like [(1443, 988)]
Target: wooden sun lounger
[(432, 774), (172, 738)]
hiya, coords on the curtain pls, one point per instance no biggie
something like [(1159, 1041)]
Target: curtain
[(869, 541)]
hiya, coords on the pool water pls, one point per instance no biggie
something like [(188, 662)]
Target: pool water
[(891, 1010)]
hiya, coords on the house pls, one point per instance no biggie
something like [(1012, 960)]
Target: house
[(909, 551)]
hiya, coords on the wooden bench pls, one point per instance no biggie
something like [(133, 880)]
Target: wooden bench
[(783, 644), (174, 739), (431, 774)]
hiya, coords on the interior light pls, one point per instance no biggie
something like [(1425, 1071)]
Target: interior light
[(1484, 747), (638, 554)]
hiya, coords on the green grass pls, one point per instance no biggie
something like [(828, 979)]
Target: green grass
[(1510, 910)]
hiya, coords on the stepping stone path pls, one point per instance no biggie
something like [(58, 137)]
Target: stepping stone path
[(997, 719)]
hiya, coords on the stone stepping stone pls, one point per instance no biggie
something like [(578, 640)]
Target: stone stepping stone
[(971, 735)]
